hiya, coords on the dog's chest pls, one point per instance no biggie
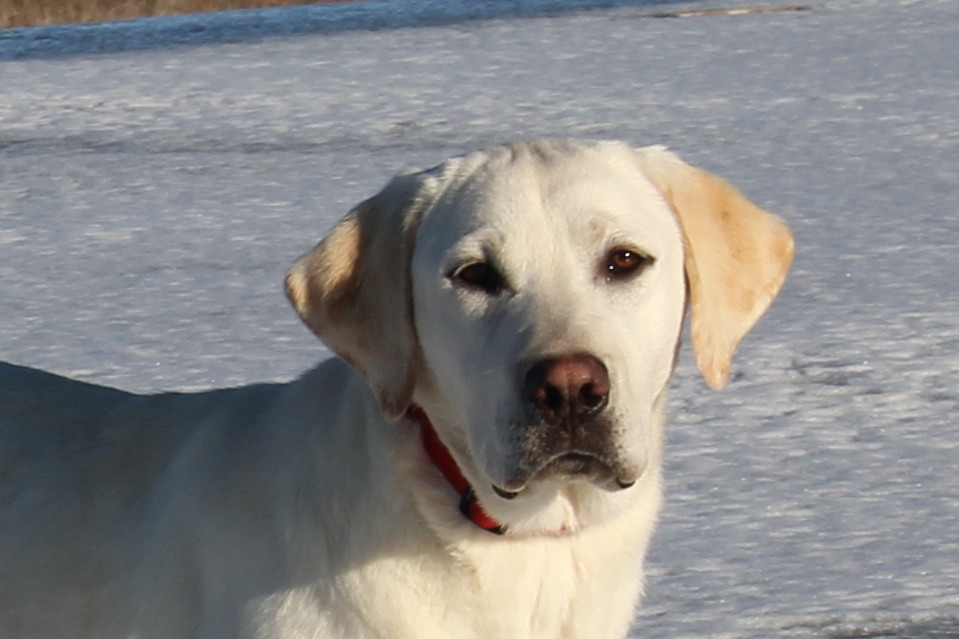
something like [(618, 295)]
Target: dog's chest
[(527, 592)]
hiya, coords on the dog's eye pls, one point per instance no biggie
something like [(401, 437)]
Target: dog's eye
[(622, 263), (479, 275)]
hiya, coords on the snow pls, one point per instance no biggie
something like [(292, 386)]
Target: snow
[(154, 186)]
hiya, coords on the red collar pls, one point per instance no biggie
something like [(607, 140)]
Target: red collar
[(440, 455)]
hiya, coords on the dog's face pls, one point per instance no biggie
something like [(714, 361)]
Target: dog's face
[(548, 296), (531, 297)]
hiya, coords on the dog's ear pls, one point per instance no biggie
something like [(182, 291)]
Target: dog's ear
[(353, 291), (736, 258)]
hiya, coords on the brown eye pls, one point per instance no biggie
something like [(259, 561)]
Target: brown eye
[(480, 276), (623, 263)]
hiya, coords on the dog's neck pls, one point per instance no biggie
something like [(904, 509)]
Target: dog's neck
[(441, 457)]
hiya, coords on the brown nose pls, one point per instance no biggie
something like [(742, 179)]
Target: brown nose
[(567, 390)]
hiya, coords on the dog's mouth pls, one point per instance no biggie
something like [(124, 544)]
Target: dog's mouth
[(576, 465), (573, 466)]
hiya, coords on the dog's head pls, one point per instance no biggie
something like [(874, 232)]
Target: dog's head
[(531, 298)]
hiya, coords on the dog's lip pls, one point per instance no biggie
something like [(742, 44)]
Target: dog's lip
[(576, 466), (507, 494)]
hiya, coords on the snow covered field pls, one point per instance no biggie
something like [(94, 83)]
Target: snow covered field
[(152, 196)]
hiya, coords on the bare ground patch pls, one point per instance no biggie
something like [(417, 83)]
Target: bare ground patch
[(26, 13)]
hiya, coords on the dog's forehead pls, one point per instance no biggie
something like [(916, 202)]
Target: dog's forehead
[(521, 194)]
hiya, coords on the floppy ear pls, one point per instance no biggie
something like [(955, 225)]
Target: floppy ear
[(737, 256), (353, 291)]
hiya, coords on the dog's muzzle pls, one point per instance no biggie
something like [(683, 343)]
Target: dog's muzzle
[(567, 433)]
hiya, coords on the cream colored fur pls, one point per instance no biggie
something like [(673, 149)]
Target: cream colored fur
[(309, 509)]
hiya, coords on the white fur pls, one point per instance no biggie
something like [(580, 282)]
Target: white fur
[(303, 509)]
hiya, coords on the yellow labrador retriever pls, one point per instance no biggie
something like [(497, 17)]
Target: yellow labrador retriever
[(484, 460)]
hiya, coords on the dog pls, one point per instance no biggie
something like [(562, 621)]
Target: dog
[(482, 460)]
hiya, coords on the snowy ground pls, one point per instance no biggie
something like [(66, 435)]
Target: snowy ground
[(152, 196)]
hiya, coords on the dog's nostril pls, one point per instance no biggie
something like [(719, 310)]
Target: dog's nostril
[(591, 398), (553, 398)]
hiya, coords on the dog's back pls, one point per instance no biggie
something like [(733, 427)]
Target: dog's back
[(81, 471)]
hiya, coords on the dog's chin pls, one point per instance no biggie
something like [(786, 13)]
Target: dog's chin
[(563, 495)]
